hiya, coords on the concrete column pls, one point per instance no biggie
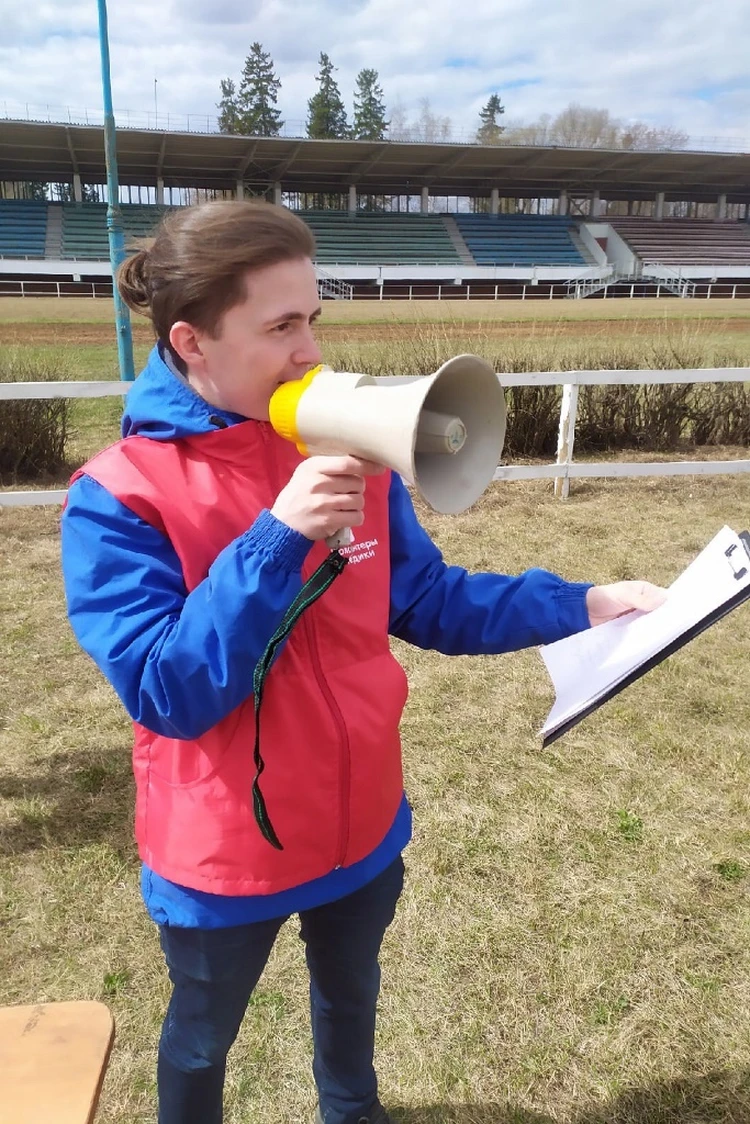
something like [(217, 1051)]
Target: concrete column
[(425, 200), (77, 190), (240, 189), (160, 191), (596, 205), (562, 203), (659, 208), (494, 201), (352, 198), (277, 193), (721, 207)]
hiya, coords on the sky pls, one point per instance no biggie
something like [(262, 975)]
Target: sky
[(677, 63)]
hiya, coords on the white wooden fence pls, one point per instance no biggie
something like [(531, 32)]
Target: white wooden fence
[(562, 471)]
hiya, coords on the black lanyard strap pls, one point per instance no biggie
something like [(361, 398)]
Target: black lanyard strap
[(314, 588)]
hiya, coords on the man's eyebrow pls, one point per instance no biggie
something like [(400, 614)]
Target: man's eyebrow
[(295, 316)]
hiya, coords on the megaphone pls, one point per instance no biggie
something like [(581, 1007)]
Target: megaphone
[(443, 433)]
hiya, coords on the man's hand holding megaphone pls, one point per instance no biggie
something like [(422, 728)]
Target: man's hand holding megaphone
[(324, 495)]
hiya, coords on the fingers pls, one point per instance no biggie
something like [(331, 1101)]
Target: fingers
[(649, 597), (346, 466), (606, 602), (639, 595)]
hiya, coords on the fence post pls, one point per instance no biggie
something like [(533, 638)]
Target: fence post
[(566, 436), (734, 291)]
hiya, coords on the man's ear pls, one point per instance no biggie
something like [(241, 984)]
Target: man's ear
[(185, 341)]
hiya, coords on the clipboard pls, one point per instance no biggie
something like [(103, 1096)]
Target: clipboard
[(727, 548)]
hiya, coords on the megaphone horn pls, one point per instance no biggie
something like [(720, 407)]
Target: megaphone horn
[(443, 433)]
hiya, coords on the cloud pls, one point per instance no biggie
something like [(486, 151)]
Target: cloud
[(681, 63)]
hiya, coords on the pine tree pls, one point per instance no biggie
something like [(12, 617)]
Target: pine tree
[(258, 93), (326, 115), (369, 107), (489, 131), (229, 114)]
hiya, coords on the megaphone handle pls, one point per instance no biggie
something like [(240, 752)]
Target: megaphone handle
[(344, 537)]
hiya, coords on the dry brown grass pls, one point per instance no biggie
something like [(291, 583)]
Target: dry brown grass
[(574, 940)]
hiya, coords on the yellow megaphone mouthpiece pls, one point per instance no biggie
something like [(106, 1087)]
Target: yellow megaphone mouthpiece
[(282, 409)]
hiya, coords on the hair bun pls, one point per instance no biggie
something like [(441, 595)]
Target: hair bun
[(134, 282)]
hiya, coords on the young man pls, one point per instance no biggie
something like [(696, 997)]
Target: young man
[(184, 545)]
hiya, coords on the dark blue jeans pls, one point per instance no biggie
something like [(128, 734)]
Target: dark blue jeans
[(214, 972)]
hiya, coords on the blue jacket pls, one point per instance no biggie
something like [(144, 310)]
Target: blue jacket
[(112, 557)]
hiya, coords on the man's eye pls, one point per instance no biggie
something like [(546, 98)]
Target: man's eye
[(282, 327)]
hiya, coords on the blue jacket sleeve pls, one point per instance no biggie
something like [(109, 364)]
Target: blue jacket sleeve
[(443, 607), (179, 661)]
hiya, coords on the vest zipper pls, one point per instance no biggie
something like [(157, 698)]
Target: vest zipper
[(325, 690)]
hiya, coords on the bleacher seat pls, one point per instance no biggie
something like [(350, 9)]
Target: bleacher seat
[(375, 237), (84, 227), (23, 228), (686, 241), (519, 239)]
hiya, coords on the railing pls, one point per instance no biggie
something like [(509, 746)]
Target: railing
[(329, 286), (587, 285), (12, 110), (667, 278), (673, 280), (562, 471), (426, 289), (722, 263)]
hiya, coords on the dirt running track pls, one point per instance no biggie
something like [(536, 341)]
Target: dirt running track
[(103, 334)]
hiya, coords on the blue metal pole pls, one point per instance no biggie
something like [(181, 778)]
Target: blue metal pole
[(115, 228)]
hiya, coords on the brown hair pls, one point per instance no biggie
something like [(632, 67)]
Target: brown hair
[(195, 268)]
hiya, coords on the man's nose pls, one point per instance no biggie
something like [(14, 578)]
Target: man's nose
[(308, 352)]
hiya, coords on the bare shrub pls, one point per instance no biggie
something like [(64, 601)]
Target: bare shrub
[(33, 431)]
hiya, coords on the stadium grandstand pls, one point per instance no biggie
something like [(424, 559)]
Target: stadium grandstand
[(393, 219)]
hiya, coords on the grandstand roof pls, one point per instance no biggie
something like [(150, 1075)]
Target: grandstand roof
[(54, 152)]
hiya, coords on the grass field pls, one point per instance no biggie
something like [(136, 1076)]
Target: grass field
[(573, 945)]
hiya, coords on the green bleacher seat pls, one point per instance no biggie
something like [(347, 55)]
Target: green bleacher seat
[(84, 227), (375, 237)]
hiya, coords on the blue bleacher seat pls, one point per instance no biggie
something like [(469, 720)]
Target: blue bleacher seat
[(519, 239), (23, 228)]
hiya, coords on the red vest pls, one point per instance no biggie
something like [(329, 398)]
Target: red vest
[(332, 701)]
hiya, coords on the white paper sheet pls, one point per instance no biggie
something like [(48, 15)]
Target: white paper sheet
[(584, 667)]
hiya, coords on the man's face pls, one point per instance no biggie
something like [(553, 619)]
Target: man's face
[(262, 342)]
